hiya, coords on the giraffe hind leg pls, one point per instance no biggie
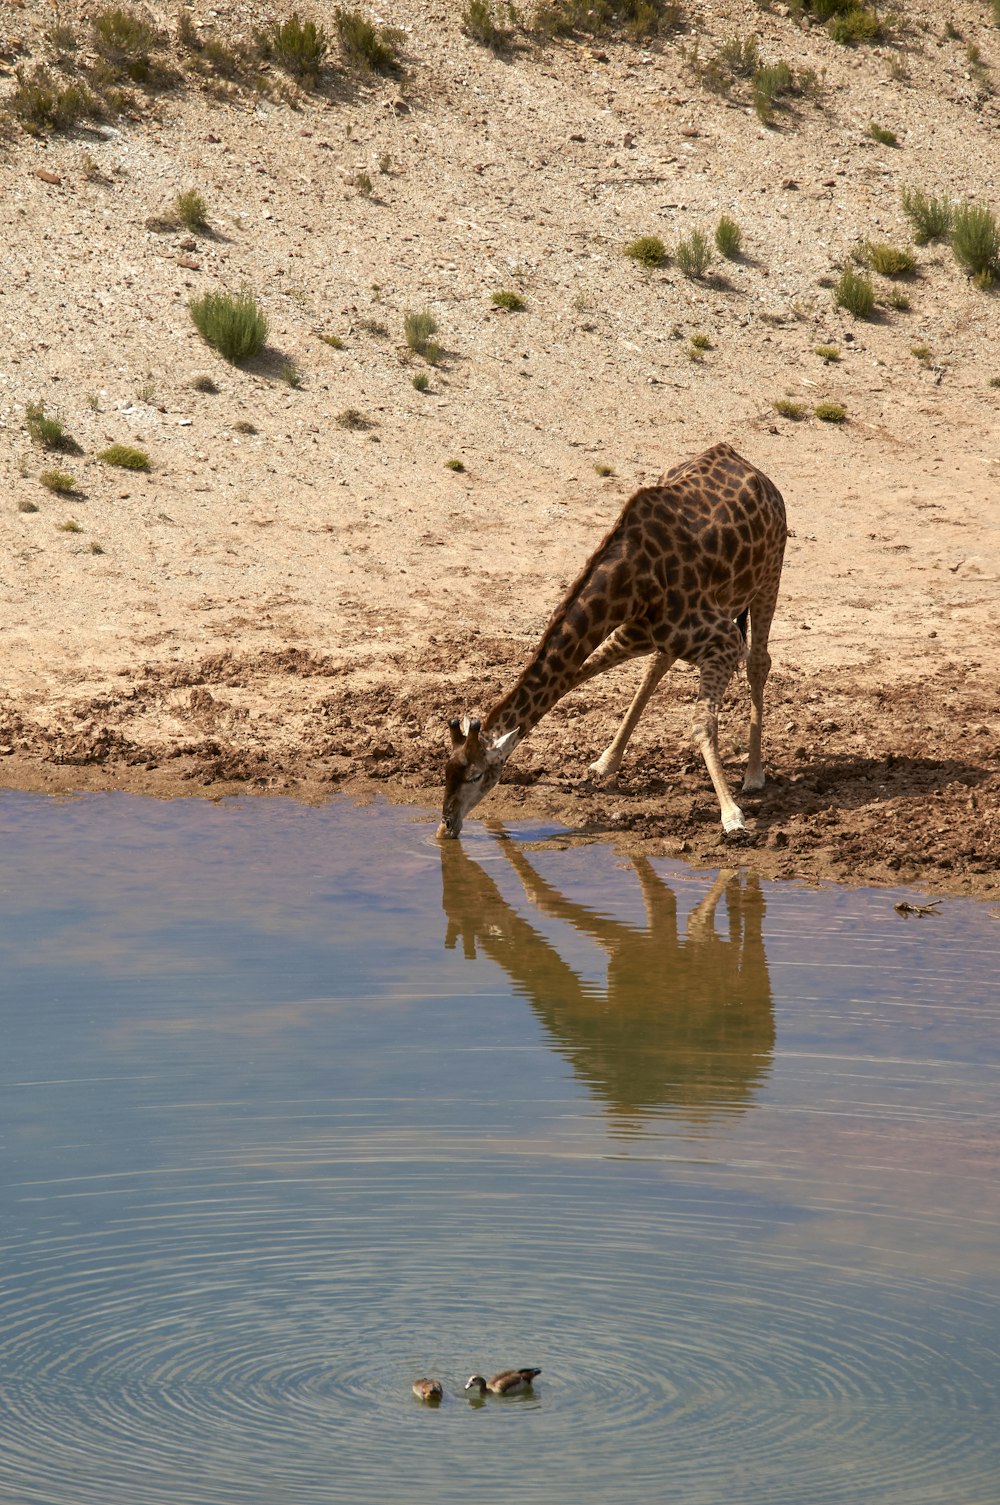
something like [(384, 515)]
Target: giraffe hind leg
[(717, 664), (758, 668)]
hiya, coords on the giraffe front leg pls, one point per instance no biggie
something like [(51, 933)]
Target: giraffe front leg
[(715, 676), (608, 764)]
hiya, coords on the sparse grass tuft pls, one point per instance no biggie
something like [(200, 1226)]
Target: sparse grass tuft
[(701, 342), (48, 432), (69, 526), (975, 240), (363, 183), (352, 418), (828, 353), (787, 408), (854, 292), (299, 47), (929, 214), (830, 412), (456, 465), (59, 481), (333, 340), (771, 82), (125, 456), (922, 353), (509, 300), (191, 209), (604, 470), (42, 104), (421, 381), (374, 49), (233, 324), (483, 22), (694, 255), (648, 250), (244, 426), (639, 19), (855, 24), (888, 261), (292, 376), (126, 41), (881, 135), (418, 329), (203, 384), (25, 506), (728, 238), (95, 548)]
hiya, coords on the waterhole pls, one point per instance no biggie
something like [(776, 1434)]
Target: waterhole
[(297, 1106)]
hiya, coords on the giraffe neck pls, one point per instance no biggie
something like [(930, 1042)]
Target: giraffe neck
[(578, 627)]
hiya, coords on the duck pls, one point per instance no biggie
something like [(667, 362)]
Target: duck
[(507, 1382), (428, 1390)]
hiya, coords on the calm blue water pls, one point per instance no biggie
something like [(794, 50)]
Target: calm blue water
[(296, 1106)]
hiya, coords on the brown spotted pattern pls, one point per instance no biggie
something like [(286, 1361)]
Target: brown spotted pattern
[(683, 561)]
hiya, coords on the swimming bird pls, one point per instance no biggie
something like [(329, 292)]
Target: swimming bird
[(507, 1382), (428, 1390)]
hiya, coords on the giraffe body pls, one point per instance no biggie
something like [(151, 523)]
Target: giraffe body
[(683, 561)]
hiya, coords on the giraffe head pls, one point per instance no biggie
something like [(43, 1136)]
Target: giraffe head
[(473, 769)]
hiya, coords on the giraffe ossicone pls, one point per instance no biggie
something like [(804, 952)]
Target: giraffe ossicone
[(677, 577)]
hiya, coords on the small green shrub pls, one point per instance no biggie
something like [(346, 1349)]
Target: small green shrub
[(299, 47), (881, 135), (48, 432), (728, 238), (481, 21), (701, 342), (638, 19), (333, 340), (788, 409), (69, 526), (694, 255), (374, 49), (292, 376), (509, 300), (59, 481), (352, 418), (604, 470), (857, 24), (376, 327), (648, 250), (887, 261), (244, 426), (191, 209), (975, 240), (125, 456), (233, 324), (899, 300), (25, 506), (62, 38), (203, 384), (738, 57), (126, 41), (418, 329), (455, 465), (830, 412), (922, 353), (421, 381), (771, 82), (42, 104), (930, 215), (828, 353), (854, 292), (363, 183)]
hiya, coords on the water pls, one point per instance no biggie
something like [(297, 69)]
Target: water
[(297, 1107)]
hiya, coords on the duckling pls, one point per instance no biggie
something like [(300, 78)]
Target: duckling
[(507, 1382), (428, 1390)]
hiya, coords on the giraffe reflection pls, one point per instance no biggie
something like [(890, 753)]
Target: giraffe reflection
[(685, 1022)]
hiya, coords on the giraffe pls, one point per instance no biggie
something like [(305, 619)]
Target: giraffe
[(677, 576)]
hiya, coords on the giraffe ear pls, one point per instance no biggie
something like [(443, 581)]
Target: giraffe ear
[(504, 746)]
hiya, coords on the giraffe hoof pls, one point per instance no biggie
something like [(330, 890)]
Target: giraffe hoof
[(602, 771), (753, 782), (737, 836)]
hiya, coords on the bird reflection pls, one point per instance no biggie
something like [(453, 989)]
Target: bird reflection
[(684, 1022)]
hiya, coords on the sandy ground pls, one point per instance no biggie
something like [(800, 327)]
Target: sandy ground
[(301, 608)]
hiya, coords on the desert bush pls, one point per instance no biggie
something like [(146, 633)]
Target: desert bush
[(739, 57), (881, 135), (69, 526), (929, 214), (789, 409), (62, 38), (125, 456), (648, 250), (701, 341), (299, 47), (857, 24), (374, 49), (41, 103), (59, 481), (728, 238), (421, 381), (25, 506), (887, 261), (828, 353), (233, 324), (203, 384), (456, 465), (854, 291), (418, 330), (771, 82), (975, 240), (509, 300), (48, 432), (483, 22), (830, 412), (352, 418), (191, 209), (639, 19), (126, 42), (694, 255)]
